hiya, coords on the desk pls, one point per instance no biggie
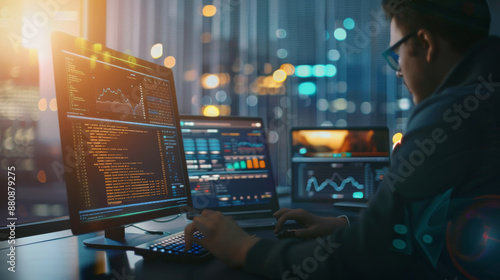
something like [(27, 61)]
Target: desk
[(61, 255)]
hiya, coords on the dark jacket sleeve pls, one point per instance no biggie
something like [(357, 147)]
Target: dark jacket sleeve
[(438, 158)]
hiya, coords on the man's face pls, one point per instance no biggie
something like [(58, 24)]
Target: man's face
[(414, 68)]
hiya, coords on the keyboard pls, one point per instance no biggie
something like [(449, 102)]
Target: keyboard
[(171, 248)]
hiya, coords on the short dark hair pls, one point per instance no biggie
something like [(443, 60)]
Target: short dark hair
[(462, 23)]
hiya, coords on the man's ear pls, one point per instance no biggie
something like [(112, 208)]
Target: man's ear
[(429, 44)]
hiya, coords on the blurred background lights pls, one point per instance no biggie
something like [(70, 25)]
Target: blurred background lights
[(210, 81), (211, 111), (397, 137), (342, 87), (279, 76), (330, 70), (307, 88), (169, 62), (349, 23), (252, 100), (333, 55), (53, 104), (322, 104), (42, 104), (41, 176), (340, 34), (282, 53), (273, 137), (209, 10), (340, 104), (319, 70), (303, 71), (404, 104), (365, 108), (351, 107), (157, 51), (341, 123), (281, 33), (288, 68), (220, 96)]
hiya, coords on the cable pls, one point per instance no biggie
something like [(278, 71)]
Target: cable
[(151, 231), (169, 220)]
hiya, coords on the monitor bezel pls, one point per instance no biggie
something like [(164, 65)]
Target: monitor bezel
[(294, 184), (62, 41), (274, 204)]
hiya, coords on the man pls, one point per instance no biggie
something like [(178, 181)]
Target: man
[(434, 215)]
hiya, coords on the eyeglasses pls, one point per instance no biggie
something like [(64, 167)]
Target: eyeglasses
[(390, 54)]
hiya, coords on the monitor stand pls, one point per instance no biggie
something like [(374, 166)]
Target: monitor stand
[(117, 239), (351, 204)]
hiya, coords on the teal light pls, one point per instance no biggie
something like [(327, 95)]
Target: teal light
[(427, 239), (349, 23), (307, 88), (182, 123), (358, 195), (330, 70), (303, 71), (303, 150), (399, 244), (319, 70), (400, 229), (340, 34)]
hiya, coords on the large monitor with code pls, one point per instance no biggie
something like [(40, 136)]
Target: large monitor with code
[(121, 141)]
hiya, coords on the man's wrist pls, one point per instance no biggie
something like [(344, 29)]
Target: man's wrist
[(242, 252)]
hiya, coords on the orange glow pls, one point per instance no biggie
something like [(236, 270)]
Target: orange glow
[(53, 104), (209, 10), (33, 53), (210, 111), (41, 176), (169, 62), (268, 68), (42, 104), (93, 59), (331, 139), (80, 43), (249, 164), (224, 110), (397, 137), (288, 68), (262, 164), (190, 75), (97, 47)]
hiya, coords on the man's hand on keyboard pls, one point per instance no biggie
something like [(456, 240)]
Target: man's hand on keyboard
[(314, 225), (222, 237)]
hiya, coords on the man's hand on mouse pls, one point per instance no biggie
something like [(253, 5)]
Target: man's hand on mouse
[(314, 225)]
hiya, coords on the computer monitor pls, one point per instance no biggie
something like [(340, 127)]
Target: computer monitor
[(121, 140), (229, 166), (338, 164)]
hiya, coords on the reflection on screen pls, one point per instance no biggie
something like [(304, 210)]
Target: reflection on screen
[(338, 164)]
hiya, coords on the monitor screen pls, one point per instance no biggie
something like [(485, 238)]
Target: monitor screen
[(228, 163), (120, 136), (344, 164)]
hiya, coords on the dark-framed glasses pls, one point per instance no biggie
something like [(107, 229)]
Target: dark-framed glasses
[(390, 54)]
